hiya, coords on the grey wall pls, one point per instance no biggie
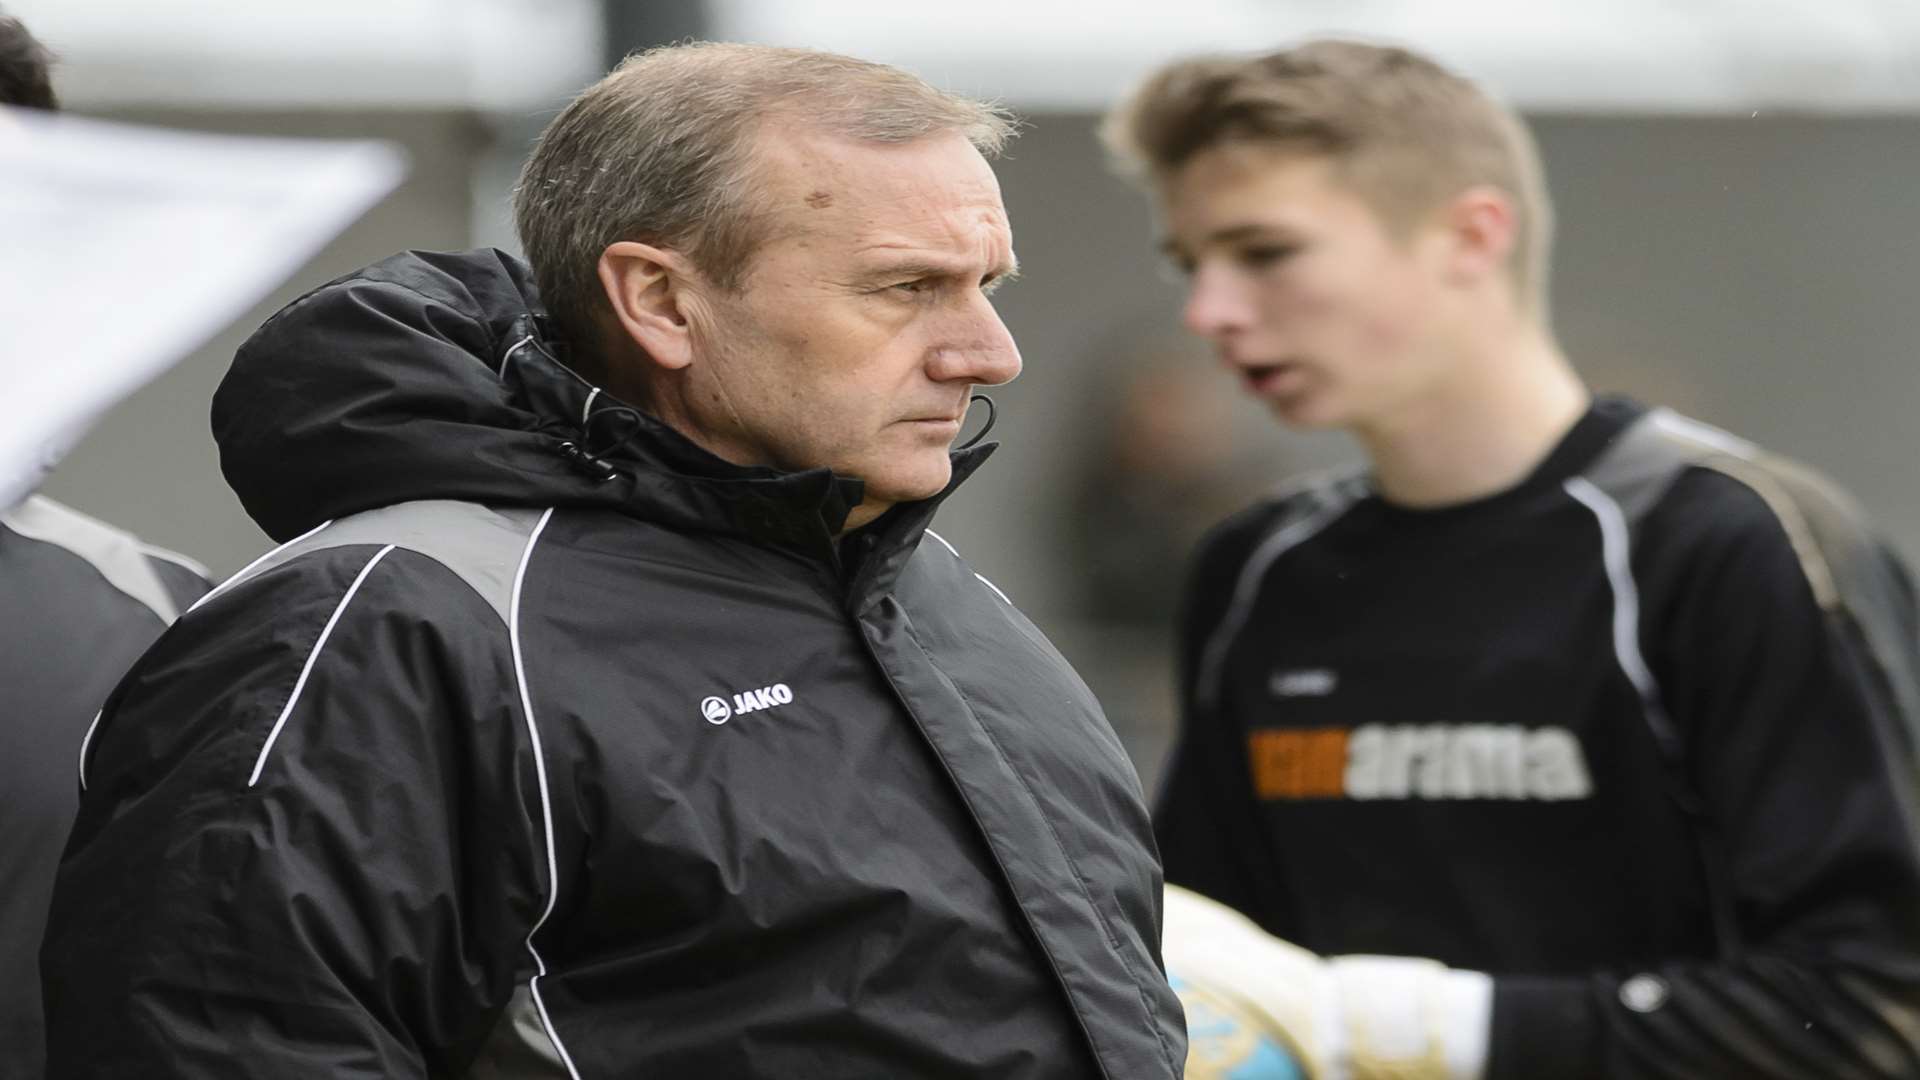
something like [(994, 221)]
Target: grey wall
[(1759, 274)]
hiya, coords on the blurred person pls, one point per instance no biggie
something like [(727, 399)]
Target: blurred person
[(609, 708), (26, 68), (1159, 472), (82, 600), (1589, 725)]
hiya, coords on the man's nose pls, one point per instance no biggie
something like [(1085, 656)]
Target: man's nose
[(1216, 305), (983, 351)]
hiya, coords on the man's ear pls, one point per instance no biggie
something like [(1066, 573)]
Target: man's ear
[(647, 288), (1481, 228)]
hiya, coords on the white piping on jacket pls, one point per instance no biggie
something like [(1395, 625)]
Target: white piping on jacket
[(248, 569), (307, 668), (86, 741), (977, 575), (995, 588), (546, 802), (1615, 553)]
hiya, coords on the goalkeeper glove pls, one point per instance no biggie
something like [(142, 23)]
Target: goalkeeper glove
[(1340, 1018)]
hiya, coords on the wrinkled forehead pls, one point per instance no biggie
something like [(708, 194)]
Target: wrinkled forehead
[(837, 193)]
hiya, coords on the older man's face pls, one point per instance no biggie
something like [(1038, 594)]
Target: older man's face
[(864, 321)]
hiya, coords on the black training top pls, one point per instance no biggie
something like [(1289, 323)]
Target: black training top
[(1633, 736)]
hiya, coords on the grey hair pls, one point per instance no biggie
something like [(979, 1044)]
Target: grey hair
[(660, 150)]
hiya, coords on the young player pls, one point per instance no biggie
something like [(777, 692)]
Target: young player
[(1592, 724)]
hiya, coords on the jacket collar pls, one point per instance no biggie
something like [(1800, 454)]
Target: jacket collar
[(898, 532)]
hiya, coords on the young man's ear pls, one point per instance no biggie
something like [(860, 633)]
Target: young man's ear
[(647, 288), (1481, 224)]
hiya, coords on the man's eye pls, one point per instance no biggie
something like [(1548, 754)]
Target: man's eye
[(915, 287)]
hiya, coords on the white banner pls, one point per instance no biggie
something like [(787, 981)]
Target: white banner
[(123, 248)]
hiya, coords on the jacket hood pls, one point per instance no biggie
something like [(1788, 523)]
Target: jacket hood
[(433, 375)]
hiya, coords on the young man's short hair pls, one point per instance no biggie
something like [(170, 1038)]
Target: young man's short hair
[(658, 151), (26, 67), (1403, 133)]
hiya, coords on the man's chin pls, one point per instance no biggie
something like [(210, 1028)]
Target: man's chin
[(900, 486)]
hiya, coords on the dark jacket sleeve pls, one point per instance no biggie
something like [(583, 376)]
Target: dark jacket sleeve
[(1781, 638), (1204, 816), (340, 888)]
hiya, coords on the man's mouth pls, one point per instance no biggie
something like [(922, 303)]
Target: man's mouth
[(949, 417), (931, 423)]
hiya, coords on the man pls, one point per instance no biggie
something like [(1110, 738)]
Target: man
[(1602, 714), (621, 717), (83, 600)]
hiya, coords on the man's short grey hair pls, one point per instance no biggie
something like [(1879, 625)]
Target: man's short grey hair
[(660, 151)]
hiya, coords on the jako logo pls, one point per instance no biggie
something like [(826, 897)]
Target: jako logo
[(717, 711)]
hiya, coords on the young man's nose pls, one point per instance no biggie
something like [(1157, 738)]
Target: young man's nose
[(1216, 305)]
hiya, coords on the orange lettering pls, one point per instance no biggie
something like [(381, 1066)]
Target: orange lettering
[(1309, 763)]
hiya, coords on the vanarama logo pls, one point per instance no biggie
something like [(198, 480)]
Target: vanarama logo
[(1419, 761), (717, 710)]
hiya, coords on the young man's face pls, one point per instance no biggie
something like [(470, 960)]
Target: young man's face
[(1322, 312), (863, 323)]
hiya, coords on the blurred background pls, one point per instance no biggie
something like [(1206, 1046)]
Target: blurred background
[(1737, 185)]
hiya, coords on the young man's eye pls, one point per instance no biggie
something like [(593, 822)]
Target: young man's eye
[(1263, 256)]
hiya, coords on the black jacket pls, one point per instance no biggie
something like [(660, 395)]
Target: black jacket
[(82, 600), (570, 750), (1634, 736)]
